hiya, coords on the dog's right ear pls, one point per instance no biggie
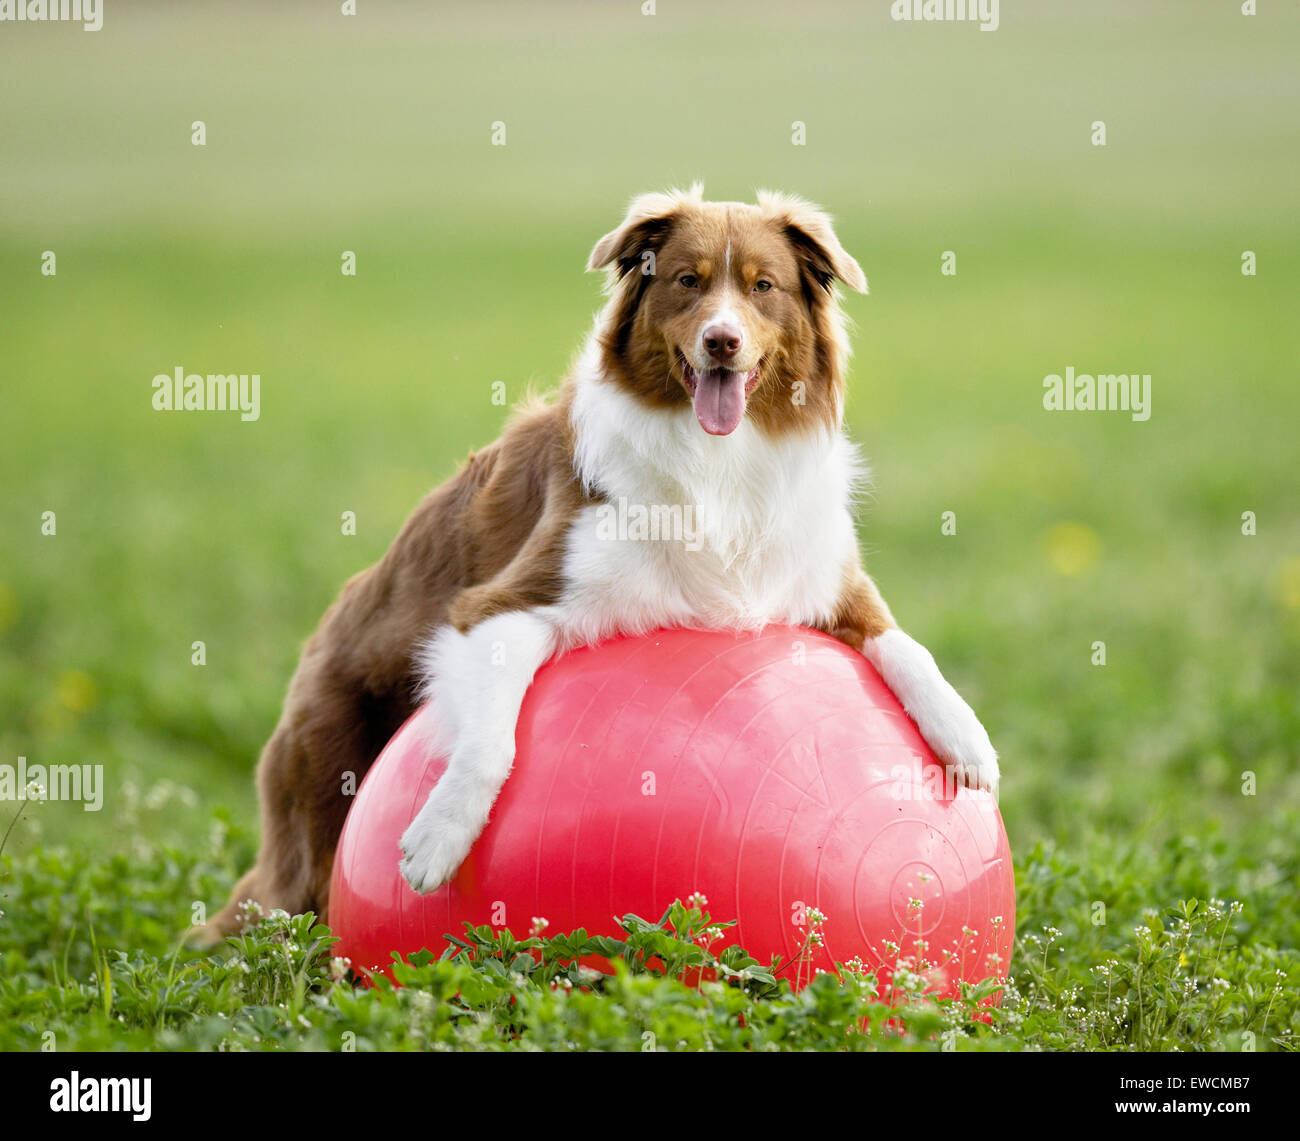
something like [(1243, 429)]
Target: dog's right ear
[(647, 225)]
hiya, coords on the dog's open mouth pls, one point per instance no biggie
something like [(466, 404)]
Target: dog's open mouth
[(719, 395)]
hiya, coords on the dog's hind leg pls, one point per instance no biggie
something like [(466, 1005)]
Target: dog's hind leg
[(307, 776)]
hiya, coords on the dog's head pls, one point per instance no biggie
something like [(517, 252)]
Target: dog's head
[(729, 307)]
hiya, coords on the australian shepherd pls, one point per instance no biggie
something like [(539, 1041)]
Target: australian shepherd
[(712, 380)]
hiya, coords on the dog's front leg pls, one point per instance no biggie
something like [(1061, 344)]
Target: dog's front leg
[(946, 721), (476, 681)]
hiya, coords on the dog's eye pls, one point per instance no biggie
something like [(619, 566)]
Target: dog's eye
[(689, 280), (762, 286)]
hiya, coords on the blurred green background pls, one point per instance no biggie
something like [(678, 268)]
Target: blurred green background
[(371, 133)]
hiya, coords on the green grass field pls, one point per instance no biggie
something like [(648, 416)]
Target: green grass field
[(1123, 783)]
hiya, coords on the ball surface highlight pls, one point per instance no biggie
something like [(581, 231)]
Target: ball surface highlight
[(772, 772)]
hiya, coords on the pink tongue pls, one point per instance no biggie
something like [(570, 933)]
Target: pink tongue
[(720, 401)]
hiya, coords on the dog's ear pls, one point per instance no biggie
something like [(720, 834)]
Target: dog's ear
[(808, 229), (648, 223)]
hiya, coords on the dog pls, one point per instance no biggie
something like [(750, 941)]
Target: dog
[(714, 379)]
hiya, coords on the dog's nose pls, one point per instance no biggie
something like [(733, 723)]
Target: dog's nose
[(722, 341)]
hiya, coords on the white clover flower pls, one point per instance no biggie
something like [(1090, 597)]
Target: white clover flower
[(159, 795)]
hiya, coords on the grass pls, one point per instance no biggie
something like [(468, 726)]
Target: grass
[(1203, 974), (1153, 785)]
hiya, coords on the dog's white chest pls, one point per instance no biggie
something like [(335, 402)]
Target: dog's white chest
[(736, 531), (621, 583)]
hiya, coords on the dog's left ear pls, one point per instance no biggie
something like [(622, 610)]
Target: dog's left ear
[(809, 230), (647, 225)]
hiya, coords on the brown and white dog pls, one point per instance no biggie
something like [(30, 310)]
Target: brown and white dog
[(712, 380)]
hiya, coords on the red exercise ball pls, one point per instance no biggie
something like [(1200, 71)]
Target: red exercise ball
[(772, 772)]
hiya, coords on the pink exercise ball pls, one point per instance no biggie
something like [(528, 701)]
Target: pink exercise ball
[(773, 772)]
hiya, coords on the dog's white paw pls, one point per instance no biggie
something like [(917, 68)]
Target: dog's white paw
[(961, 743), (476, 683), (977, 765), (947, 723), (433, 847)]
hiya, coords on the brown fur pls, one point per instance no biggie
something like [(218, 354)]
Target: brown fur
[(861, 613), (795, 325), (458, 558), (491, 539)]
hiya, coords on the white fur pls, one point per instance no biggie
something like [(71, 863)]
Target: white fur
[(777, 520), (477, 683), (947, 723), (723, 315)]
